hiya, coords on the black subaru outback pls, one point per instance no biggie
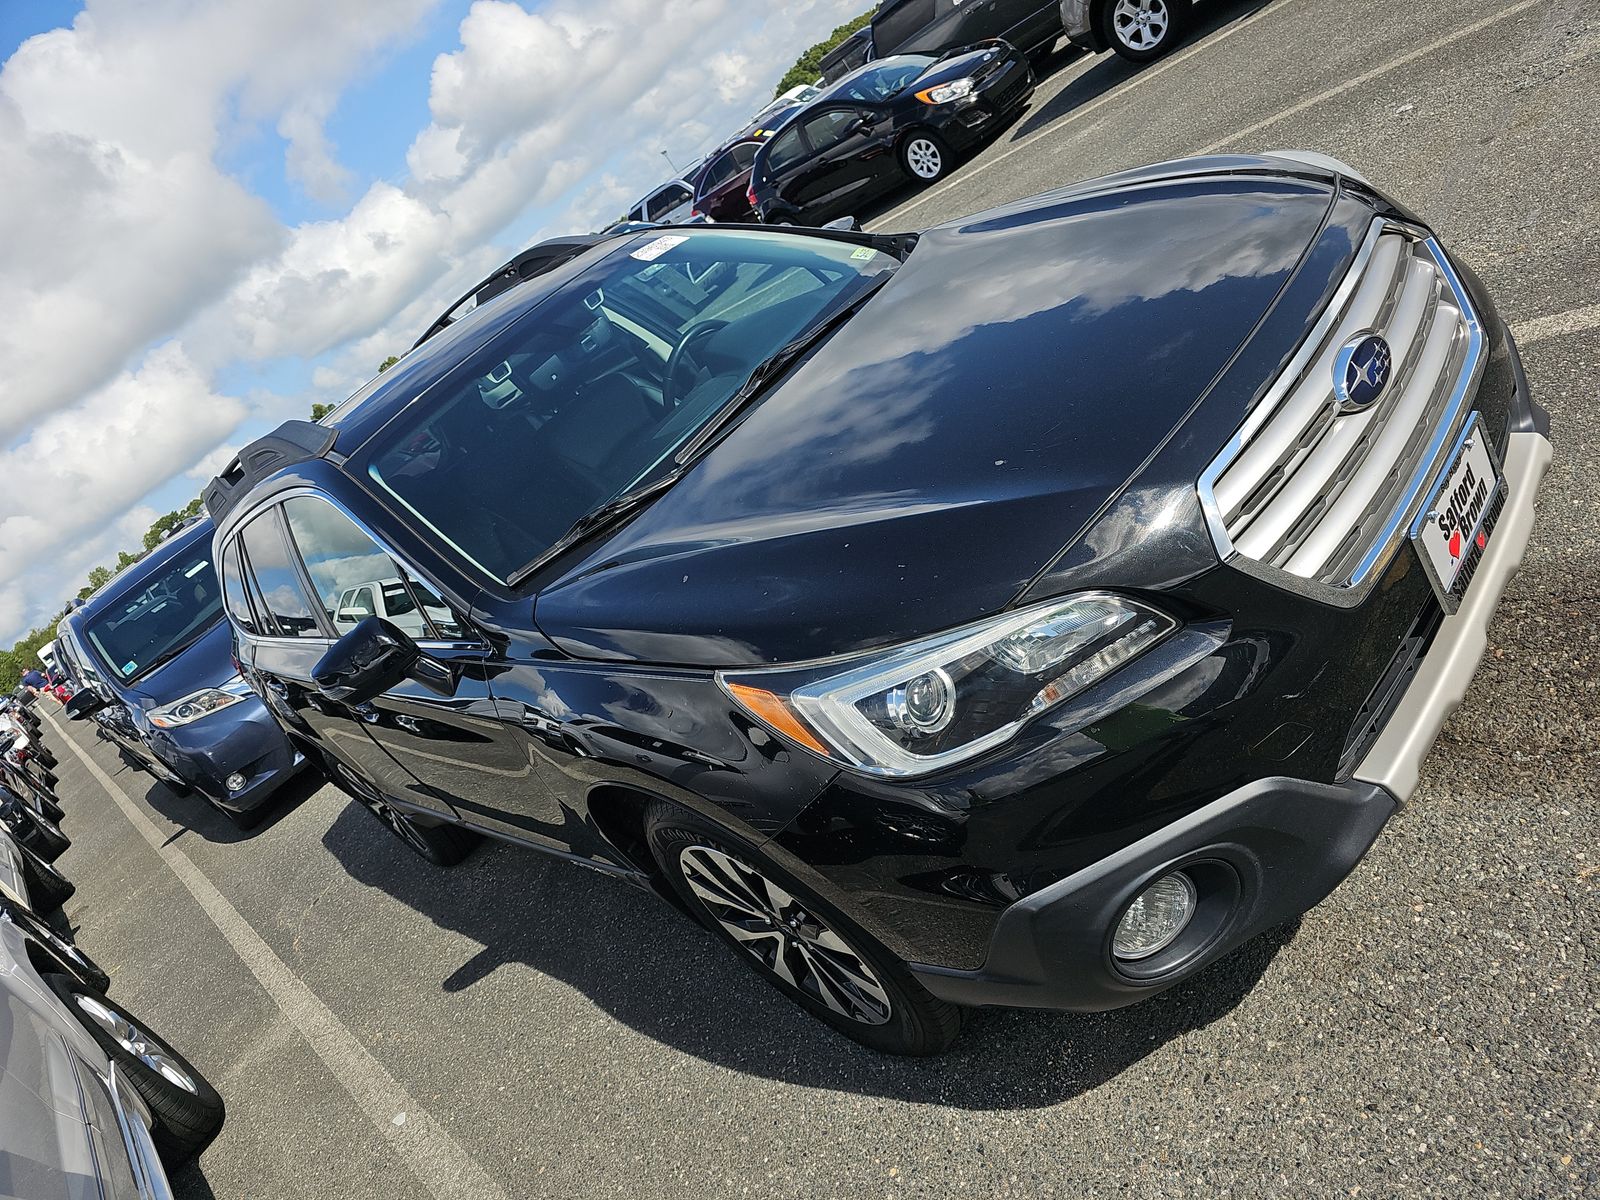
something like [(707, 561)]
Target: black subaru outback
[(1026, 611)]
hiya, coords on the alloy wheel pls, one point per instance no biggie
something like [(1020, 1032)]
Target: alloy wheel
[(137, 1043), (1141, 24), (924, 158), (784, 935)]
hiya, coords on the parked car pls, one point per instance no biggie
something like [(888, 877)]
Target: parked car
[(1025, 612), (92, 1102), (855, 51), (29, 824), (669, 204), (895, 120), (935, 26), (1138, 30), (722, 189), (166, 689), (29, 879)]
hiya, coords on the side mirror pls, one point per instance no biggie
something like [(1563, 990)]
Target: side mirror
[(844, 225), (366, 662), (84, 703)]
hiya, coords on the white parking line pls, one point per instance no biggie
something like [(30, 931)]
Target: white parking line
[(1367, 77), (1177, 60), (1574, 320), (437, 1160)]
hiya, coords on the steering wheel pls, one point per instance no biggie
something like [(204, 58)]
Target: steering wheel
[(681, 354)]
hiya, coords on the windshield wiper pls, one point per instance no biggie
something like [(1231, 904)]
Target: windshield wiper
[(596, 519), (765, 371)]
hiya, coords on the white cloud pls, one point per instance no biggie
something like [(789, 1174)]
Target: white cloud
[(82, 472), (124, 236)]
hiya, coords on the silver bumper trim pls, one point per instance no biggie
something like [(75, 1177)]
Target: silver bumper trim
[(1395, 760)]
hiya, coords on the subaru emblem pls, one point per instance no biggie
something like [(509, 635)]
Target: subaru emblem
[(1361, 372)]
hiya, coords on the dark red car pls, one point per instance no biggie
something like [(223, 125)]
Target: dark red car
[(721, 191)]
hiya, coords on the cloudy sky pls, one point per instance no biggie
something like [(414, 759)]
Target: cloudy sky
[(217, 212)]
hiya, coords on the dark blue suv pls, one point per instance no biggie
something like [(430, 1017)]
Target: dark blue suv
[(155, 654)]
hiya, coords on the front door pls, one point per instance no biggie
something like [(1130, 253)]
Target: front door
[(443, 742)]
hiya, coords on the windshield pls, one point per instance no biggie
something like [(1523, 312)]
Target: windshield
[(591, 393), (885, 80), (141, 629)]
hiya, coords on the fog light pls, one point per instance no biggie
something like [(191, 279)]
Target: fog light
[(236, 782), (1157, 916)]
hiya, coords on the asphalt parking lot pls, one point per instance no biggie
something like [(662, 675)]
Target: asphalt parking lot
[(517, 1027)]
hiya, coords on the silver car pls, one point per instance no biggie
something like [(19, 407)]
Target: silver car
[(91, 1102)]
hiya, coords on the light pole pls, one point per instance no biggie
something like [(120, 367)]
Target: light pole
[(670, 163)]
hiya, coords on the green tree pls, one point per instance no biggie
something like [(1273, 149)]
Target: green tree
[(809, 65), (387, 363), (98, 578), (318, 411)]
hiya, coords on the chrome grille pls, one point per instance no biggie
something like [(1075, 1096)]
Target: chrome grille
[(1323, 494)]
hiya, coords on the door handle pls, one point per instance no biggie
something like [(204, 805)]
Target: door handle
[(367, 713)]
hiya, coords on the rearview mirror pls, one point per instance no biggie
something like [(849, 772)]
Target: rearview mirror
[(85, 702), (366, 662)]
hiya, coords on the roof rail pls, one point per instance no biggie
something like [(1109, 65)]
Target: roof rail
[(289, 443), (534, 261)]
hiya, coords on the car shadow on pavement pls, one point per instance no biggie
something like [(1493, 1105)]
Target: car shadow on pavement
[(193, 815), (654, 970), (188, 1183), (1110, 70)]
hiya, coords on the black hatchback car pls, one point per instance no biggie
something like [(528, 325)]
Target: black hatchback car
[(1025, 612), (897, 120)]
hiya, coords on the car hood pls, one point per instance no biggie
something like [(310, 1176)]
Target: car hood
[(208, 662), (971, 421)]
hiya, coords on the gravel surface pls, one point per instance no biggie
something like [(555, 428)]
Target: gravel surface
[(1430, 1030)]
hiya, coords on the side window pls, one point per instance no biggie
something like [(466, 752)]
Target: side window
[(666, 200), (830, 128), (341, 558), (277, 582), (717, 174), (786, 150), (743, 155), (397, 601), (233, 593), (439, 614)]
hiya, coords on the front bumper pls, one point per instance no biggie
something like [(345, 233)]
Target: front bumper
[(242, 739), (1261, 854), (1000, 100)]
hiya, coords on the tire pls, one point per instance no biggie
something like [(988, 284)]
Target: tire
[(45, 758), (1143, 30), (442, 845), (924, 157), (164, 774), (48, 888), (50, 843), (186, 1112), (796, 941), (44, 800)]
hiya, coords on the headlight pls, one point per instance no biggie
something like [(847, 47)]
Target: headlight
[(946, 92), (201, 704), (952, 696)]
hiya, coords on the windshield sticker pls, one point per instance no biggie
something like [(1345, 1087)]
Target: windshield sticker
[(654, 250), (862, 252), (130, 667)]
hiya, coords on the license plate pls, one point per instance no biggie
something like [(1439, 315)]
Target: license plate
[(1453, 532)]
